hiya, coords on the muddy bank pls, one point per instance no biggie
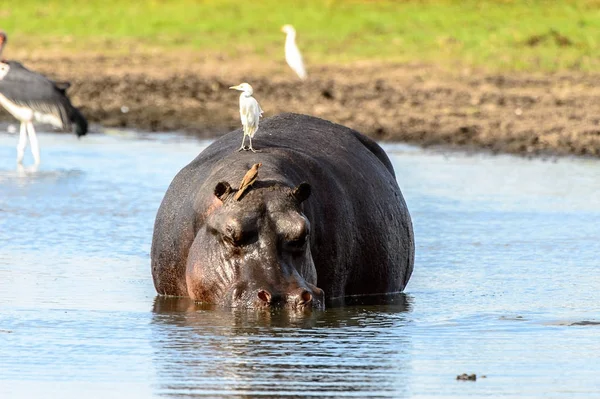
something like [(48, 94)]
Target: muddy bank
[(514, 113)]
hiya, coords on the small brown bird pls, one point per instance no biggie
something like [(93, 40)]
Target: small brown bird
[(248, 180)]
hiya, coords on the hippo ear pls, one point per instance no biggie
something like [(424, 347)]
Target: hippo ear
[(302, 192), (222, 190)]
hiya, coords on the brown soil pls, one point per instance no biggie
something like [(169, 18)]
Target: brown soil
[(514, 113)]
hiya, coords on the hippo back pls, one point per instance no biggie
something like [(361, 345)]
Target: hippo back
[(361, 235)]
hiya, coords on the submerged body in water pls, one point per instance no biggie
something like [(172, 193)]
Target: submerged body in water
[(505, 284), (325, 219)]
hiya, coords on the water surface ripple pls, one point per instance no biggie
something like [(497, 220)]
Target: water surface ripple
[(505, 285)]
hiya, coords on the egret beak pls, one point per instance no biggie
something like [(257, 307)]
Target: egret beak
[(235, 87)]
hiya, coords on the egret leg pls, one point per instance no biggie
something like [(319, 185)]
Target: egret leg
[(35, 148), (252, 149), (22, 143), (243, 141)]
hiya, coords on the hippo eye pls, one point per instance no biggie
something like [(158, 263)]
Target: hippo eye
[(230, 241), (232, 235), (238, 238), (297, 244)]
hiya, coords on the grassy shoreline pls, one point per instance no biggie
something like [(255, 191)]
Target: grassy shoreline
[(492, 35), (501, 76)]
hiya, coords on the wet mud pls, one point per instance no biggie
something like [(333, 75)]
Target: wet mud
[(519, 113)]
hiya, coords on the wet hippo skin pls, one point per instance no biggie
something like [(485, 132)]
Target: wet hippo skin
[(324, 219)]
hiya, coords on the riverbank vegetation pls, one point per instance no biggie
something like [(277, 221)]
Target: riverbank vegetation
[(492, 35)]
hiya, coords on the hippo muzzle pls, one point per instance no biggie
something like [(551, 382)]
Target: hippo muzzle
[(288, 289), (298, 299)]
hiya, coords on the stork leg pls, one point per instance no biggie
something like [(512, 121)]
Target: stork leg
[(22, 143), (35, 147)]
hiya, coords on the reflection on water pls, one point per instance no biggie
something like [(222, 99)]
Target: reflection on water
[(505, 284), (357, 350)]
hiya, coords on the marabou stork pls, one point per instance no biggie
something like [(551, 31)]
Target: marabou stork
[(31, 97)]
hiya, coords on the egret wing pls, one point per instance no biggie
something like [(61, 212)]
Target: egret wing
[(294, 60), (254, 112)]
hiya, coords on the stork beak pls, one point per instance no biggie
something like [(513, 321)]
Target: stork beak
[(235, 87)]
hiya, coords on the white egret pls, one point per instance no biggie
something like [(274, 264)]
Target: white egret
[(250, 113), (292, 53)]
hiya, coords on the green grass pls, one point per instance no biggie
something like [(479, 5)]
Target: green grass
[(493, 35)]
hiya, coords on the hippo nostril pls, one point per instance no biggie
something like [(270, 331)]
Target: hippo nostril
[(304, 298), (264, 296)]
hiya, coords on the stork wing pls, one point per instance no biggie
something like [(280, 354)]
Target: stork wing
[(33, 90), (62, 86)]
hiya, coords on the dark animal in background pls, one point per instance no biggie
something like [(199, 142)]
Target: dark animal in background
[(324, 220), (31, 97)]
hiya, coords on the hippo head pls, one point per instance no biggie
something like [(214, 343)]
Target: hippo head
[(253, 249)]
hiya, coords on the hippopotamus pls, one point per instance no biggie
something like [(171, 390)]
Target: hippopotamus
[(321, 218)]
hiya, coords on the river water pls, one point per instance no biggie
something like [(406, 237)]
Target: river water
[(506, 285)]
